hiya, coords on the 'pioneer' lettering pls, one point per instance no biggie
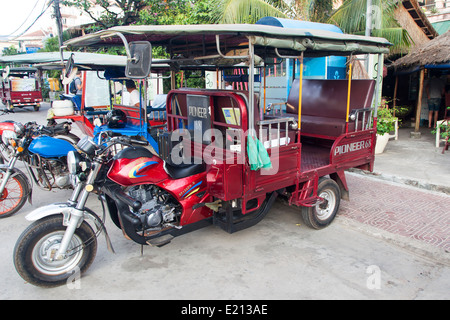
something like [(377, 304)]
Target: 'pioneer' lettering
[(354, 146), (198, 112)]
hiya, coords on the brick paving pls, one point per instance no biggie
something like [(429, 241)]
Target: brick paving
[(399, 209)]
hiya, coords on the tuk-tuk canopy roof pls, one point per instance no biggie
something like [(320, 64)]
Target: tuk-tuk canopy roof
[(200, 40), (52, 60), (22, 70)]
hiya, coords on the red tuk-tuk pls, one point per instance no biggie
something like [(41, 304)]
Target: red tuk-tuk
[(20, 88), (223, 158), (326, 127)]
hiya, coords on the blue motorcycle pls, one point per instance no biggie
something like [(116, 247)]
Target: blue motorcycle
[(44, 157)]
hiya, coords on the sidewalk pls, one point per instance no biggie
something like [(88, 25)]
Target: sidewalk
[(415, 162), (407, 195), (401, 210)]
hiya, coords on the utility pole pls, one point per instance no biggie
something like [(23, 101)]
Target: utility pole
[(59, 27), (368, 28)]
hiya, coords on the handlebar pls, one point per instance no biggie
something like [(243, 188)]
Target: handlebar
[(118, 138), (5, 111), (43, 129), (129, 140)]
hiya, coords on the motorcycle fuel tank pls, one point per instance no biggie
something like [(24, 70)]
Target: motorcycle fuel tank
[(49, 147), (6, 125), (132, 166)]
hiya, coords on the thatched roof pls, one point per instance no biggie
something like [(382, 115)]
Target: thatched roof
[(436, 51), (416, 13)]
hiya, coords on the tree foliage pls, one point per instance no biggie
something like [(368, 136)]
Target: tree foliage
[(115, 12), (159, 12), (10, 51), (52, 44), (351, 18), (250, 11), (246, 11)]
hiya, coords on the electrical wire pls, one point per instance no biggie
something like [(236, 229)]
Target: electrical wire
[(34, 7), (35, 20)]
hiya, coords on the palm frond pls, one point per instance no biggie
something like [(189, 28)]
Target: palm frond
[(244, 11), (398, 36), (351, 18)]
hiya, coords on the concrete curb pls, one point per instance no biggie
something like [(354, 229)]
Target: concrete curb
[(419, 248), (405, 181)]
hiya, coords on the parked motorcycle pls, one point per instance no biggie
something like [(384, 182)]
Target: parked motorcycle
[(56, 130), (6, 126), (145, 197), (44, 157)]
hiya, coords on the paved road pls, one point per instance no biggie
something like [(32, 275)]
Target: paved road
[(279, 258)]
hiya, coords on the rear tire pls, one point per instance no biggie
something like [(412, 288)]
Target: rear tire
[(322, 214), (37, 244)]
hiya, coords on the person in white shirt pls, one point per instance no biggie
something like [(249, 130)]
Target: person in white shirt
[(133, 94)]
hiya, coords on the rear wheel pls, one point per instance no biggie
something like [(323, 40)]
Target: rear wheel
[(14, 195), (322, 214), (35, 250)]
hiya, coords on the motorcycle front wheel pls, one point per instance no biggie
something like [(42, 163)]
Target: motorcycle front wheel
[(14, 196), (36, 248)]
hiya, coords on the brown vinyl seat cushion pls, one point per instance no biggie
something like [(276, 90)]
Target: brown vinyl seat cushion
[(324, 104)]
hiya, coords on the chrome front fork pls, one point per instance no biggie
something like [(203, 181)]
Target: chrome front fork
[(82, 191), (8, 173)]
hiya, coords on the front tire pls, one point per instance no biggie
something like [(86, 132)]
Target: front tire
[(14, 196), (37, 245), (322, 214)]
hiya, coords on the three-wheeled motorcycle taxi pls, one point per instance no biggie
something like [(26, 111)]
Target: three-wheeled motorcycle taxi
[(224, 157), (19, 87)]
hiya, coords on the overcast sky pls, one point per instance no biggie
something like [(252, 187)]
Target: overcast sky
[(14, 13)]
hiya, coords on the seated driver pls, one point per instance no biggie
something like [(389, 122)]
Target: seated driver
[(131, 97)]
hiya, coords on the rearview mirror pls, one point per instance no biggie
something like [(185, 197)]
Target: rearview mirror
[(69, 66), (139, 65)]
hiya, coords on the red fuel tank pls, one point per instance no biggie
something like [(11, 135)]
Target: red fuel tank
[(138, 165)]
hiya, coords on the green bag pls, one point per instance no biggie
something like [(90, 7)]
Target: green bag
[(258, 157)]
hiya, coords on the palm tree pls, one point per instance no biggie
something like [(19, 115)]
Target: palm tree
[(310, 10), (250, 11), (246, 11), (351, 18)]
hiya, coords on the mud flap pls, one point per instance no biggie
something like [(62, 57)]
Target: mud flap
[(231, 223), (340, 179)]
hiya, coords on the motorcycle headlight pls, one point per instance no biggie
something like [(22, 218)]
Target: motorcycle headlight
[(87, 145), (7, 136), (73, 162)]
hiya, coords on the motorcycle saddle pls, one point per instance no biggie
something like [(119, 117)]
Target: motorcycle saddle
[(179, 171)]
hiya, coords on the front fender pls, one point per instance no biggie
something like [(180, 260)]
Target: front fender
[(55, 208), (67, 210)]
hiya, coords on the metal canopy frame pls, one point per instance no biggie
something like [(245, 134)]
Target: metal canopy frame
[(233, 43)]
